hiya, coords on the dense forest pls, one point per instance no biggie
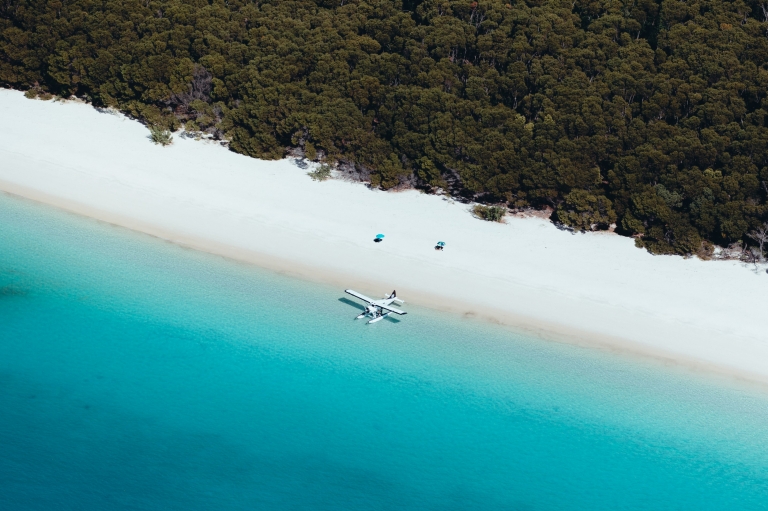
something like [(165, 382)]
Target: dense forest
[(650, 114)]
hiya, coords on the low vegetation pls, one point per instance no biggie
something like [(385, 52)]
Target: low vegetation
[(490, 213), (160, 136), (650, 114), (321, 173), (36, 93), (585, 211), (759, 236)]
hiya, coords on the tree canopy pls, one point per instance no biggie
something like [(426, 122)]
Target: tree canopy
[(647, 113)]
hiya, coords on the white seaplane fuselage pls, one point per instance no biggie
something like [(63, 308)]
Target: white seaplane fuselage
[(378, 309)]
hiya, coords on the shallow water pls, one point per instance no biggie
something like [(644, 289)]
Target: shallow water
[(135, 374)]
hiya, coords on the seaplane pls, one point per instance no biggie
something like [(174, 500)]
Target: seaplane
[(376, 308)]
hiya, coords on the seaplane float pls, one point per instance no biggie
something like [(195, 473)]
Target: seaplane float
[(375, 308)]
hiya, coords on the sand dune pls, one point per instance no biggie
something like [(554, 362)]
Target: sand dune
[(592, 288)]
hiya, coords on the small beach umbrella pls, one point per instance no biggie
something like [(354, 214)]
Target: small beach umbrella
[(440, 243), (379, 236)]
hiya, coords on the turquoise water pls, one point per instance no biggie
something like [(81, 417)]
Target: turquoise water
[(138, 375)]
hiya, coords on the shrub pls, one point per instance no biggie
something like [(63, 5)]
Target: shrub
[(583, 211), (38, 93), (321, 173), (490, 213), (160, 136), (309, 151), (706, 251), (674, 237)]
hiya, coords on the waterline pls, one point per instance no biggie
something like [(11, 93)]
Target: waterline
[(135, 374)]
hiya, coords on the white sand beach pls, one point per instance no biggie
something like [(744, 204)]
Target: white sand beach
[(591, 288)]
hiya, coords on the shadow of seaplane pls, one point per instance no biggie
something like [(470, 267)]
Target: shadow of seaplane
[(376, 308)]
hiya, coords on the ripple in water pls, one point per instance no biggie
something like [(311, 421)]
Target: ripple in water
[(135, 374)]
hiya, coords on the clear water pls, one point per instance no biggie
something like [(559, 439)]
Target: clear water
[(138, 375)]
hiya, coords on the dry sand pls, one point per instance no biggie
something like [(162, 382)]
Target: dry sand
[(593, 288)]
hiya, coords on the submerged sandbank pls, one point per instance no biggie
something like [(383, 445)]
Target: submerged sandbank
[(593, 288)]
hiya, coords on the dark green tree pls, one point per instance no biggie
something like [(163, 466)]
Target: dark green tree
[(649, 113)]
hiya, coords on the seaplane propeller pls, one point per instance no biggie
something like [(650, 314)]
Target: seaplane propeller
[(378, 309)]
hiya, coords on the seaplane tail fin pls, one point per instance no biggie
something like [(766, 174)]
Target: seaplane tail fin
[(393, 295)]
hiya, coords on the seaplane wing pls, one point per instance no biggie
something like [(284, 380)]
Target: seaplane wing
[(393, 309), (359, 295)]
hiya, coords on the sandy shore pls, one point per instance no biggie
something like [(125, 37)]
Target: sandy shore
[(591, 288)]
